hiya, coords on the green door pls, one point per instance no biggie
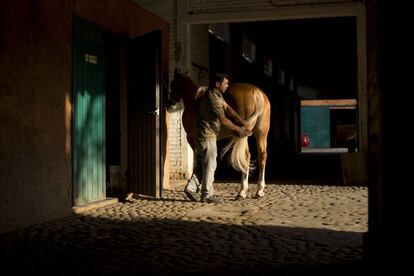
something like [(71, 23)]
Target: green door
[(88, 129), (316, 123)]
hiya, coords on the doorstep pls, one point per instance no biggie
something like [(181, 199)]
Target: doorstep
[(95, 204)]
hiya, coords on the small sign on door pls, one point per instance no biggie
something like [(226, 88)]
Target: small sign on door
[(91, 59)]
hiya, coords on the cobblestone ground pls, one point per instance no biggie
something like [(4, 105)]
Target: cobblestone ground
[(293, 230)]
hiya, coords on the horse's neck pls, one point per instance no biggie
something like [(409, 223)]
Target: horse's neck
[(190, 95)]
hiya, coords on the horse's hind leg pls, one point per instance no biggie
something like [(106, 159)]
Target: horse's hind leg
[(261, 140), (244, 185)]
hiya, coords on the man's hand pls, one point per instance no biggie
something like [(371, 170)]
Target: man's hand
[(242, 132), (239, 131)]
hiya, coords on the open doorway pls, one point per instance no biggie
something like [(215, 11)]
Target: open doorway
[(115, 114), (309, 70)]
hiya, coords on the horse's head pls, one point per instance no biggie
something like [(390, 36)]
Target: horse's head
[(176, 93), (178, 86)]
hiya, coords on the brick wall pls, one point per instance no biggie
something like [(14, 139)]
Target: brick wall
[(178, 157)]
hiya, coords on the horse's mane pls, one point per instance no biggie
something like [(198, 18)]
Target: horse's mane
[(194, 89), (200, 92)]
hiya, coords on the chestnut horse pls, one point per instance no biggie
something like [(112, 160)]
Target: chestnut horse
[(250, 103)]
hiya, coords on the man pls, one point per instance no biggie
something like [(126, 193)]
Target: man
[(212, 111)]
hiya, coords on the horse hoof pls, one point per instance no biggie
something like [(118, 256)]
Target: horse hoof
[(129, 197), (239, 197), (257, 196)]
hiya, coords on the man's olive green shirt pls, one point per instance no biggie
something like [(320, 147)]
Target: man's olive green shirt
[(210, 107)]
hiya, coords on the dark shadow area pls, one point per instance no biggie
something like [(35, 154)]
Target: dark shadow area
[(303, 168), (80, 245)]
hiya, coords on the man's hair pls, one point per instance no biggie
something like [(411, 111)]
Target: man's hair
[(219, 77)]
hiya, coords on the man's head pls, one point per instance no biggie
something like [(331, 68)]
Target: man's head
[(221, 81)]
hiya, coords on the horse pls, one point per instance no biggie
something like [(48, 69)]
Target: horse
[(251, 103)]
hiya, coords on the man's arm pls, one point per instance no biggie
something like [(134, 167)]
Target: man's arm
[(240, 131), (233, 114)]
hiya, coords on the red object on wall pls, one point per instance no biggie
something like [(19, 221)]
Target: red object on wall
[(304, 140)]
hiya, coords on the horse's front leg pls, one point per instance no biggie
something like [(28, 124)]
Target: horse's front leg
[(194, 183)]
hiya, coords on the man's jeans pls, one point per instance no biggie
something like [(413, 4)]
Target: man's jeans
[(204, 168)]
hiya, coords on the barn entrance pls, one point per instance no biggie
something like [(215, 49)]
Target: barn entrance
[(310, 71)]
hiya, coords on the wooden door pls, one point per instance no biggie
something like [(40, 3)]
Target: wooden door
[(144, 102)]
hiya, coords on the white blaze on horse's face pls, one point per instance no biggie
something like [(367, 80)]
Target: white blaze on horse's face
[(222, 86)]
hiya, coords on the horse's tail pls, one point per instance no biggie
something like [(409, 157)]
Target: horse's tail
[(239, 156)]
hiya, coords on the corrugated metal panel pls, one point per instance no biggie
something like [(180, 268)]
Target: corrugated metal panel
[(88, 133)]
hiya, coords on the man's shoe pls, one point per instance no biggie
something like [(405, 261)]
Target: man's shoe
[(190, 195), (211, 199)]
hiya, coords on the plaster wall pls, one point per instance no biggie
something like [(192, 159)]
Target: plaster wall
[(35, 99)]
